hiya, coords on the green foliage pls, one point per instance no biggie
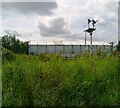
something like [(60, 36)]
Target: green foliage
[(13, 44), (7, 55), (83, 81), (47, 57), (118, 46), (43, 57)]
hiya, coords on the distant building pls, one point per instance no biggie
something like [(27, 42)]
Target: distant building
[(66, 48)]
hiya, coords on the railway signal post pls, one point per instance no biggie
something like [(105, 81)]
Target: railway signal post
[(90, 31)]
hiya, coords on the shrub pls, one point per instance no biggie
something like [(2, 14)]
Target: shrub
[(7, 55), (43, 57)]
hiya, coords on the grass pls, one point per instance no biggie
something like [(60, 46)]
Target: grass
[(52, 81)]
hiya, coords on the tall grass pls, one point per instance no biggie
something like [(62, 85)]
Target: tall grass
[(52, 81)]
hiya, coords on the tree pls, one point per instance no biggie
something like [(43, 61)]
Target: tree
[(118, 46), (13, 44)]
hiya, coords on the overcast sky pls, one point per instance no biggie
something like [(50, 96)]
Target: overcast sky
[(60, 19)]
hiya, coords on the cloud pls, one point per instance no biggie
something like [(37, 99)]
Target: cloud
[(12, 32), (104, 12), (62, 19), (29, 1), (17, 33), (56, 27), (42, 8)]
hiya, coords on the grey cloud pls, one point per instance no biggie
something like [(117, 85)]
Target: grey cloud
[(74, 37), (111, 7), (104, 35), (16, 33), (12, 32), (28, 1), (103, 24), (42, 8), (56, 28)]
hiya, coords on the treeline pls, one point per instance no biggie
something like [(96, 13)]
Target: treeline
[(14, 45)]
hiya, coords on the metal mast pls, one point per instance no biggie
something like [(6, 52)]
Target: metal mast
[(90, 31)]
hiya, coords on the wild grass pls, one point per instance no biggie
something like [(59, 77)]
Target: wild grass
[(49, 80)]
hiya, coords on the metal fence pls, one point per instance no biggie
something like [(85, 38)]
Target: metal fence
[(66, 49)]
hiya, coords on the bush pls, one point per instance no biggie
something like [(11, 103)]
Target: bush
[(114, 53), (11, 43), (48, 57), (7, 55), (43, 57)]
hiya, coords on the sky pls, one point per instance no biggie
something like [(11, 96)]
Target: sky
[(58, 20)]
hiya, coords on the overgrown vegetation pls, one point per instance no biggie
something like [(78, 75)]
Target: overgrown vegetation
[(49, 80), (11, 43), (118, 46), (7, 55)]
